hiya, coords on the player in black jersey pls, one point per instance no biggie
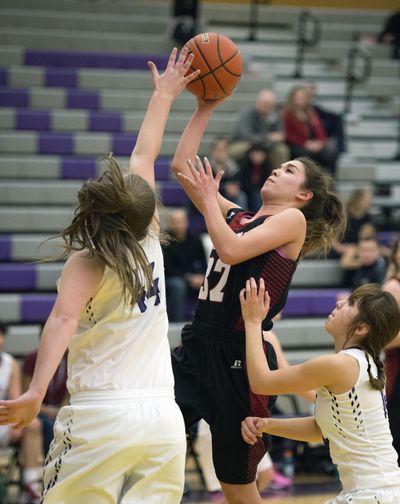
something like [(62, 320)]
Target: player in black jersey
[(297, 216)]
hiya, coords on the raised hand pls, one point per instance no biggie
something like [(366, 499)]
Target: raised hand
[(202, 183), (174, 79), (254, 302)]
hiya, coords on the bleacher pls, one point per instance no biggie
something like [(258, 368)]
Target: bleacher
[(75, 86)]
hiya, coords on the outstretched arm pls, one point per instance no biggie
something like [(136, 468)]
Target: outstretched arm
[(167, 87), (299, 429), (80, 279), (188, 147), (326, 370)]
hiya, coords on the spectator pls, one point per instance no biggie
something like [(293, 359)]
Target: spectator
[(184, 22), (56, 395), (366, 263), (230, 185), (359, 221), (333, 123), (261, 125), (305, 132), (30, 437), (392, 357), (185, 265), (391, 33), (255, 168)]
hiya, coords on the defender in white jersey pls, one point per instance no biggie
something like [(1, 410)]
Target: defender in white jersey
[(351, 415), (122, 438)]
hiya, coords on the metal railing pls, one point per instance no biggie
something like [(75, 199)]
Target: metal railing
[(309, 30), (253, 17), (357, 54)]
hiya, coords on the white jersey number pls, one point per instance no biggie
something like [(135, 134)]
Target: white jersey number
[(216, 293)]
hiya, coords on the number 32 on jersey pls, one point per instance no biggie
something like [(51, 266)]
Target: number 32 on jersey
[(216, 293)]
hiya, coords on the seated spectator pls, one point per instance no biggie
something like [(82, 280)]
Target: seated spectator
[(333, 123), (255, 168), (56, 395), (230, 186), (29, 438), (391, 33), (185, 265), (358, 219), (261, 125), (304, 131), (365, 263)]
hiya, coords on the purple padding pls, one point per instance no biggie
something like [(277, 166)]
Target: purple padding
[(55, 143), (92, 60), (78, 168), (82, 99), (16, 277), (38, 120), (5, 247), (308, 303), (105, 121), (36, 307), (3, 77), (13, 97), (172, 194), (60, 77), (163, 168), (122, 144)]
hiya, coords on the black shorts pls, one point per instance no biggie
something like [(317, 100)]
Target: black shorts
[(211, 383)]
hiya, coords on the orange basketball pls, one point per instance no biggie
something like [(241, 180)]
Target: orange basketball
[(220, 65)]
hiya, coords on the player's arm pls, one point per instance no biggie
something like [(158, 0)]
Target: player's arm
[(80, 279), (188, 147), (298, 429), (308, 395)]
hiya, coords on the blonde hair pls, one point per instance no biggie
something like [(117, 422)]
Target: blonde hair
[(113, 215)]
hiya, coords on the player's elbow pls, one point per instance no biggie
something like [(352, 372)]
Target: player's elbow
[(228, 255), (257, 386)]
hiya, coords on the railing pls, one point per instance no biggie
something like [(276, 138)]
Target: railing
[(308, 35), (357, 54), (253, 18)]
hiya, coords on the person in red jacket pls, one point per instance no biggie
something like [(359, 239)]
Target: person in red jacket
[(304, 130)]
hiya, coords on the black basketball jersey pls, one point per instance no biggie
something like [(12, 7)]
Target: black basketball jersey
[(218, 300)]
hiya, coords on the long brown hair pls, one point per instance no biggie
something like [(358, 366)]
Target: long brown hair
[(113, 214), (381, 313), (324, 212)]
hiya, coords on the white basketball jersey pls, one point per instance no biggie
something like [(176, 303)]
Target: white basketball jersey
[(355, 426), (120, 347), (5, 374)]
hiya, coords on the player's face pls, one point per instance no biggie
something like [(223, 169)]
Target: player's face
[(284, 183), (341, 317)]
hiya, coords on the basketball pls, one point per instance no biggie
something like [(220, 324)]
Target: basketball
[(220, 65)]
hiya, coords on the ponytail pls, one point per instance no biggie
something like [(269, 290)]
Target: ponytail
[(324, 212)]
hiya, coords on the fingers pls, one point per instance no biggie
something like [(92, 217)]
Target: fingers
[(250, 433), (172, 57), (153, 70)]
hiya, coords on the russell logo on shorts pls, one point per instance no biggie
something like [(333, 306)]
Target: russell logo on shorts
[(237, 365)]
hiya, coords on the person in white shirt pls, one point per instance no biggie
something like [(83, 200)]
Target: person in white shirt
[(122, 438), (350, 413)]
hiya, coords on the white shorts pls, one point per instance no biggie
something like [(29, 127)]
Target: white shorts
[(110, 447), (390, 495)]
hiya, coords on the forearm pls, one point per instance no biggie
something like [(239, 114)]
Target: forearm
[(299, 429), (189, 142), (223, 238), (151, 133), (56, 336), (256, 361)]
